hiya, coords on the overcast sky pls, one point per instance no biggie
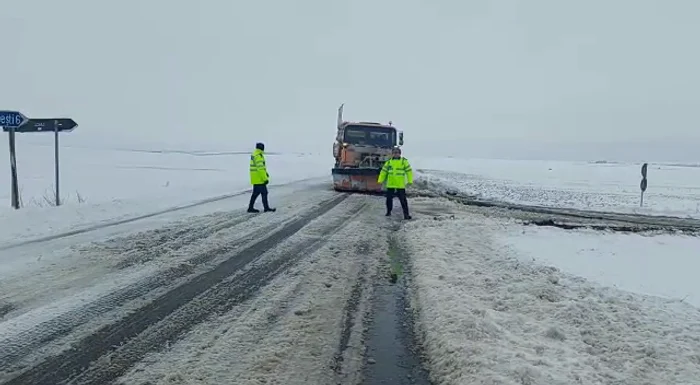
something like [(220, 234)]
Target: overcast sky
[(502, 77)]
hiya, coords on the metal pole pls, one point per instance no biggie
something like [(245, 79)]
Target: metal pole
[(13, 170), (641, 200), (55, 133)]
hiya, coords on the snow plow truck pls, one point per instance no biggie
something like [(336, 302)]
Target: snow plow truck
[(360, 149)]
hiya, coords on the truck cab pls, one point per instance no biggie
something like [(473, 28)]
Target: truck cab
[(360, 150), (364, 144)]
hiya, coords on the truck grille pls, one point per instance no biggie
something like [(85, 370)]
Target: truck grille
[(373, 160)]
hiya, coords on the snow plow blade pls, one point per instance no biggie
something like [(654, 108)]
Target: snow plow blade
[(361, 180)]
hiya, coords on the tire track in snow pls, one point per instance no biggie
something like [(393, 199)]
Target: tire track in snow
[(351, 315), (223, 298), (309, 247), (173, 313), (146, 246), (21, 344), (5, 308), (288, 332), (124, 252), (45, 273)]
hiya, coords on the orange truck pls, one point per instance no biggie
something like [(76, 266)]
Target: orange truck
[(360, 149)]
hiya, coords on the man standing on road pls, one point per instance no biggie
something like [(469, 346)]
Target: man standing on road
[(259, 178), (395, 171)]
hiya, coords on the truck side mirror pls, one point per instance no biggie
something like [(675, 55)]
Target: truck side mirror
[(400, 138)]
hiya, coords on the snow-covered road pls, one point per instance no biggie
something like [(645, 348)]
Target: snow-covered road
[(326, 291), (230, 297)]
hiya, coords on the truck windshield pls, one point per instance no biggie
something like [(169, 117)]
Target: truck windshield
[(371, 136)]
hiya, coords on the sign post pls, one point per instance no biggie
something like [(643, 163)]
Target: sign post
[(643, 184), (11, 121), (14, 184), (55, 125)]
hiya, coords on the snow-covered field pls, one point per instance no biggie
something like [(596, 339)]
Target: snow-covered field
[(662, 265), (673, 189), (502, 304)]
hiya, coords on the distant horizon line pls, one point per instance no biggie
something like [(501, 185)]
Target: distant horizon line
[(182, 151)]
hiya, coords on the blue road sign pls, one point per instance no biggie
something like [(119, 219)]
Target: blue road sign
[(10, 119), (46, 125)]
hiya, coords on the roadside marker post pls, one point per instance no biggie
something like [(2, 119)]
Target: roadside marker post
[(643, 184)]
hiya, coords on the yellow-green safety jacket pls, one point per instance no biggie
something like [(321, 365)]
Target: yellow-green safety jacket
[(258, 170), (395, 172)]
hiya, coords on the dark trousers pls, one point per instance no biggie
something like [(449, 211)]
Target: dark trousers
[(259, 189), (399, 192)]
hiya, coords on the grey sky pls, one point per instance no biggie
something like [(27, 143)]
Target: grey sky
[(510, 75)]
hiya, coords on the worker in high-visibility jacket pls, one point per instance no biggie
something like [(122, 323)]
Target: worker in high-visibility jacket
[(397, 173), (259, 178)]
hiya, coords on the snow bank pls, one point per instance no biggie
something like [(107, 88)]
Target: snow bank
[(673, 190), (99, 185), (489, 317)]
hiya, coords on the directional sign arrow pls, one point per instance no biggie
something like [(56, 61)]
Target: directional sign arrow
[(12, 119), (47, 125)]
